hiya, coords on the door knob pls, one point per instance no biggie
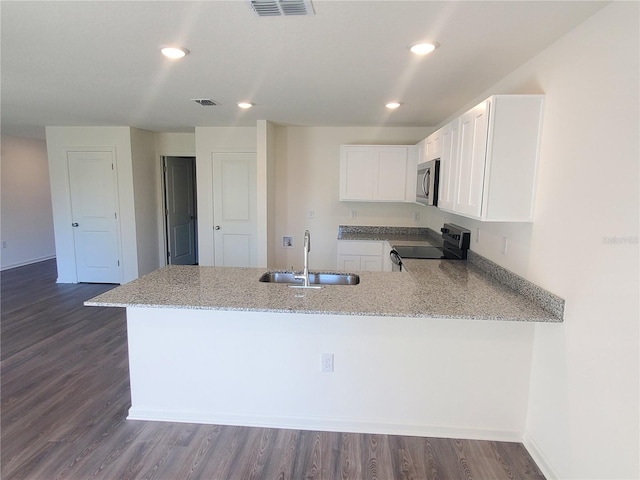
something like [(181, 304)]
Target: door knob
[(74, 224), (217, 227)]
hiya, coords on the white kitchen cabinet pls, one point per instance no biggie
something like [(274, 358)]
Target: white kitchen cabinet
[(433, 146), (430, 148), (494, 170), (473, 147), (449, 160), (362, 256), (377, 173), (421, 149)]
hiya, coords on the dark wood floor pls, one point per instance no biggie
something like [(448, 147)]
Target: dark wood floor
[(65, 395)]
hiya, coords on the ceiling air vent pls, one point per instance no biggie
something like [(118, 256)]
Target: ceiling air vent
[(276, 8), (205, 102)]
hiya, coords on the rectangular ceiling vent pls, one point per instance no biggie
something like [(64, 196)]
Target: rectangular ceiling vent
[(205, 102), (276, 8)]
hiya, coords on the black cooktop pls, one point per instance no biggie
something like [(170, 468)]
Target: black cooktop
[(419, 252), (455, 243)]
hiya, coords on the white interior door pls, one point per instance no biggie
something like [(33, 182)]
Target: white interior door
[(234, 209), (93, 187), (181, 211)]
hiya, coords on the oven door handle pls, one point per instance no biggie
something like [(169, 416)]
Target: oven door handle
[(395, 258)]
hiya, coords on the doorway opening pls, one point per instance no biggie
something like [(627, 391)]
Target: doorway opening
[(180, 219)]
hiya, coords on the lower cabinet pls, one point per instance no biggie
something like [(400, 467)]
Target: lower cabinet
[(360, 263), (363, 256)]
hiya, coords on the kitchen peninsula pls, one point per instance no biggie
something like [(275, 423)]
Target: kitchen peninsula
[(441, 350)]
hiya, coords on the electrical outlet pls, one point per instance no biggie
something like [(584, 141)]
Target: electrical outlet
[(4, 244), (311, 214), (353, 213), (326, 364), (503, 248), (287, 241), (477, 235), (416, 216)]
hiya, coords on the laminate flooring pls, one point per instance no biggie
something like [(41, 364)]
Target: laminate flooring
[(65, 396)]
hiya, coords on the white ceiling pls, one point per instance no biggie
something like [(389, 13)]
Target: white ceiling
[(98, 62)]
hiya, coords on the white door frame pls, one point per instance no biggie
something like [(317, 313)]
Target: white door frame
[(163, 189), (204, 168), (162, 225), (217, 210), (114, 158)]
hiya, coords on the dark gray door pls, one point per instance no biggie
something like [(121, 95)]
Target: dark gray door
[(180, 210)]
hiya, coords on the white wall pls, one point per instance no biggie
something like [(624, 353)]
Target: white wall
[(307, 178), (27, 216), (175, 144), (146, 194), (208, 140), (266, 158), (61, 139), (411, 376), (583, 420)]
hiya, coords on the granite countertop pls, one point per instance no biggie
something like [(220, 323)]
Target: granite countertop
[(394, 235), (393, 239), (431, 289)]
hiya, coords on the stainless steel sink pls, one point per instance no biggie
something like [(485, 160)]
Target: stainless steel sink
[(315, 278)]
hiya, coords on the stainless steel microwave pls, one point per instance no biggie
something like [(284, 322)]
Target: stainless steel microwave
[(427, 186)]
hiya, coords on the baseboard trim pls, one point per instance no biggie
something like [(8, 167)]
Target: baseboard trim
[(541, 461), (27, 262), (326, 424)]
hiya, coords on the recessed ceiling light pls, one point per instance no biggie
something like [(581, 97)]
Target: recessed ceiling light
[(423, 48), (392, 105), (245, 105), (174, 52)]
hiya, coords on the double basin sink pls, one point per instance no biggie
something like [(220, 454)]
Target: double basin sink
[(315, 278)]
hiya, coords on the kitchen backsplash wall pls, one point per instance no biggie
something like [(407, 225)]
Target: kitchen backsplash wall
[(488, 239), (307, 174)]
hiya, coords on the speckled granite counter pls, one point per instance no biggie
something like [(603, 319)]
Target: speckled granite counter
[(432, 289), (397, 236), (393, 235)]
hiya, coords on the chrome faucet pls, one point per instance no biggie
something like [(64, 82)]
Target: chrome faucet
[(307, 248)]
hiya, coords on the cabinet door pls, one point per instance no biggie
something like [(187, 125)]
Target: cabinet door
[(357, 173), (449, 165), (370, 173), (350, 263), (371, 263), (433, 147), (387, 266), (421, 151), (392, 174), (473, 147)]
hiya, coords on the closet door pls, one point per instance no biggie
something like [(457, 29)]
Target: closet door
[(94, 207)]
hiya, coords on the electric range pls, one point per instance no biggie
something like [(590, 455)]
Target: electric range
[(455, 243)]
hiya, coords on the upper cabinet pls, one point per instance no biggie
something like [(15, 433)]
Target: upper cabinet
[(378, 173), (432, 146), (449, 164), (489, 159)]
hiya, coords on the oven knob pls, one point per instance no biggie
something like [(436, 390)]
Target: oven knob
[(444, 230)]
